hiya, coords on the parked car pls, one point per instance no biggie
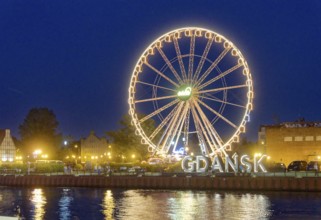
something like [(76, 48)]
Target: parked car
[(276, 167), (313, 166), (135, 169), (298, 165), (122, 169)]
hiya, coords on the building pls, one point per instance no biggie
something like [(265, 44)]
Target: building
[(291, 141), (7, 146), (93, 147)]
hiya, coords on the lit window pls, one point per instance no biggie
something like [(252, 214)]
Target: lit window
[(287, 138), (298, 138), (318, 138), (309, 138)]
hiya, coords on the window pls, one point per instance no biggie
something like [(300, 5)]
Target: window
[(318, 138), (287, 138), (309, 138), (298, 138)]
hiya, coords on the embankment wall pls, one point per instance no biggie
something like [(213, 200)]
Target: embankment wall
[(167, 182)]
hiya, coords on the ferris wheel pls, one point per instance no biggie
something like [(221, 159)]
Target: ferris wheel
[(191, 89)]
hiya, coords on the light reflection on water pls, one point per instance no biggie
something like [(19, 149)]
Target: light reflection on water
[(85, 203), (39, 202), (64, 204), (108, 205)]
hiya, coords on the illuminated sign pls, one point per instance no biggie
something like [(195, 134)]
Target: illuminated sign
[(186, 92), (201, 164)]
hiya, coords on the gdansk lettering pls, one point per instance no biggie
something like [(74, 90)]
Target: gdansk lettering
[(201, 164)]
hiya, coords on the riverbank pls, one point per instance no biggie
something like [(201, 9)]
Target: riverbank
[(312, 184)]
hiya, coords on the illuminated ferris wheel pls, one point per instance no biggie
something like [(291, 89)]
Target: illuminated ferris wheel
[(194, 86)]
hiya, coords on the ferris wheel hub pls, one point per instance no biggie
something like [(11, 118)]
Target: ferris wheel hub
[(185, 92)]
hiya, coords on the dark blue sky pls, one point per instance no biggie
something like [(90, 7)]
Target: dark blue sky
[(76, 57)]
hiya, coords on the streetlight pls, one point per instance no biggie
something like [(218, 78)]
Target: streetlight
[(36, 153)]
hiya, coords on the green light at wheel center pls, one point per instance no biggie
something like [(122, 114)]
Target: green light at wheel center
[(184, 92)]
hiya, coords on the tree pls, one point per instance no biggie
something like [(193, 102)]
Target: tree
[(39, 131), (126, 142)]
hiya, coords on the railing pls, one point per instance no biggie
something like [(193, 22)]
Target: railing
[(294, 174)]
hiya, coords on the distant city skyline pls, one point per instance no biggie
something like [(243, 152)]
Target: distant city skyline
[(77, 58)]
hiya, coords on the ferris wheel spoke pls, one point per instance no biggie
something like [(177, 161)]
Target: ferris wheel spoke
[(201, 129), (220, 76), (222, 88), (204, 56), (191, 58), (178, 128), (215, 99), (199, 133), (161, 74), (158, 110), (180, 60), (163, 123), (186, 128), (213, 65), (169, 64), (170, 127), (218, 114), (156, 98), (157, 86), (213, 133)]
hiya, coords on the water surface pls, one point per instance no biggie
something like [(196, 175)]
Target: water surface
[(89, 203)]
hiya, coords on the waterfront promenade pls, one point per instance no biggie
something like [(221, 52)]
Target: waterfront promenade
[(302, 182)]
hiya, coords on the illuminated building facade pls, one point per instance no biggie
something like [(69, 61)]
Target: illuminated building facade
[(7, 146), (93, 147), (291, 141)]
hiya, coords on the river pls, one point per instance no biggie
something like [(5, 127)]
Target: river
[(90, 203)]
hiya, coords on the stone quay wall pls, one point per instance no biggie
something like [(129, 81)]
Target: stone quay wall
[(312, 184)]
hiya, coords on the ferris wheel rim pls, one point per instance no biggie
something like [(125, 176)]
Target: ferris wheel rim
[(146, 53)]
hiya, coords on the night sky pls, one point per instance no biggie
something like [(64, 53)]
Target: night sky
[(76, 57)]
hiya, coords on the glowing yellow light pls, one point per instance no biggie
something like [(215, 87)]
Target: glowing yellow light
[(37, 152), (257, 154)]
